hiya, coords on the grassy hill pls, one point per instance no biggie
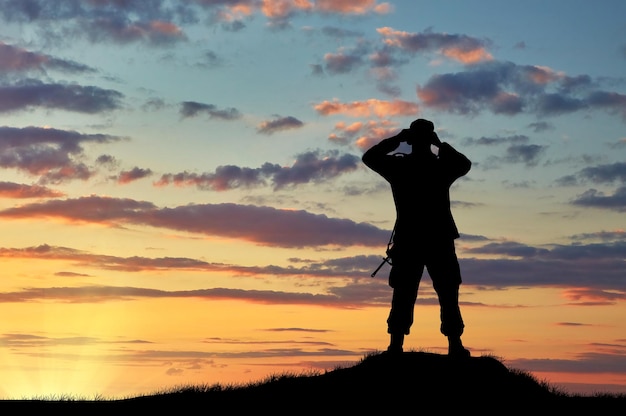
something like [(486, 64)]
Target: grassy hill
[(412, 381)]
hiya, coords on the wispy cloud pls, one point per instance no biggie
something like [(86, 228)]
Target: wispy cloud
[(32, 93), (279, 12), (193, 109), (312, 166), (352, 267), (20, 340), (345, 60), (260, 225), (132, 175), (588, 362), (508, 88), (526, 154), (396, 49), (155, 32), (17, 190), (279, 124), (95, 294), (530, 269), (600, 174), (53, 155), (362, 291), (100, 21), (593, 265), (615, 235), (462, 48), (517, 151), (158, 22), (607, 173), (497, 140), (598, 199), (14, 59), (589, 272)]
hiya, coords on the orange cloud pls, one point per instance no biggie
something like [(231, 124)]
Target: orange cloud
[(15, 190), (352, 128), (471, 56), (368, 108), (279, 9), (282, 9), (234, 12), (364, 134), (352, 6)]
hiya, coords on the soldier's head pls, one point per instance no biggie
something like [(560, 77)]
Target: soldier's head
[(421, 131), (422, 126)]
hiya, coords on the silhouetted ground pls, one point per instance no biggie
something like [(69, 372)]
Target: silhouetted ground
[(415, 382)]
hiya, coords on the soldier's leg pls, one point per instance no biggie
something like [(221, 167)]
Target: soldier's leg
[(444, 270), (404, 278)]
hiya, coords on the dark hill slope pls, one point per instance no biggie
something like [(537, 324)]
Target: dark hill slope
[(413, 381)]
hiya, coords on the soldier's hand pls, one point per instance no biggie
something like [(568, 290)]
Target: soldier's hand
[(404, 135), (435, 140)]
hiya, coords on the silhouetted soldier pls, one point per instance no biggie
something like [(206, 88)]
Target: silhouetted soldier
[(425, 230)]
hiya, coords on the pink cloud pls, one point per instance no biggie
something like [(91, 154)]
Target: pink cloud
[(132, 175), (165, 28), (593, 297), (18, 59), (16, 190), (461, 48)]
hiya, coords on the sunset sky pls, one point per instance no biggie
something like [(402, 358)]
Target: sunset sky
[(183, 200)]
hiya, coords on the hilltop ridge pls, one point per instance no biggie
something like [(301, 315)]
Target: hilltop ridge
[(379, 382)]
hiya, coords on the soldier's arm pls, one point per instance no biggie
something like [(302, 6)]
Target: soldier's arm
[(375, 156), (457, 163)]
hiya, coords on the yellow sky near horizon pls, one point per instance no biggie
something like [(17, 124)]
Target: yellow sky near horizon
[(238, 341)]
